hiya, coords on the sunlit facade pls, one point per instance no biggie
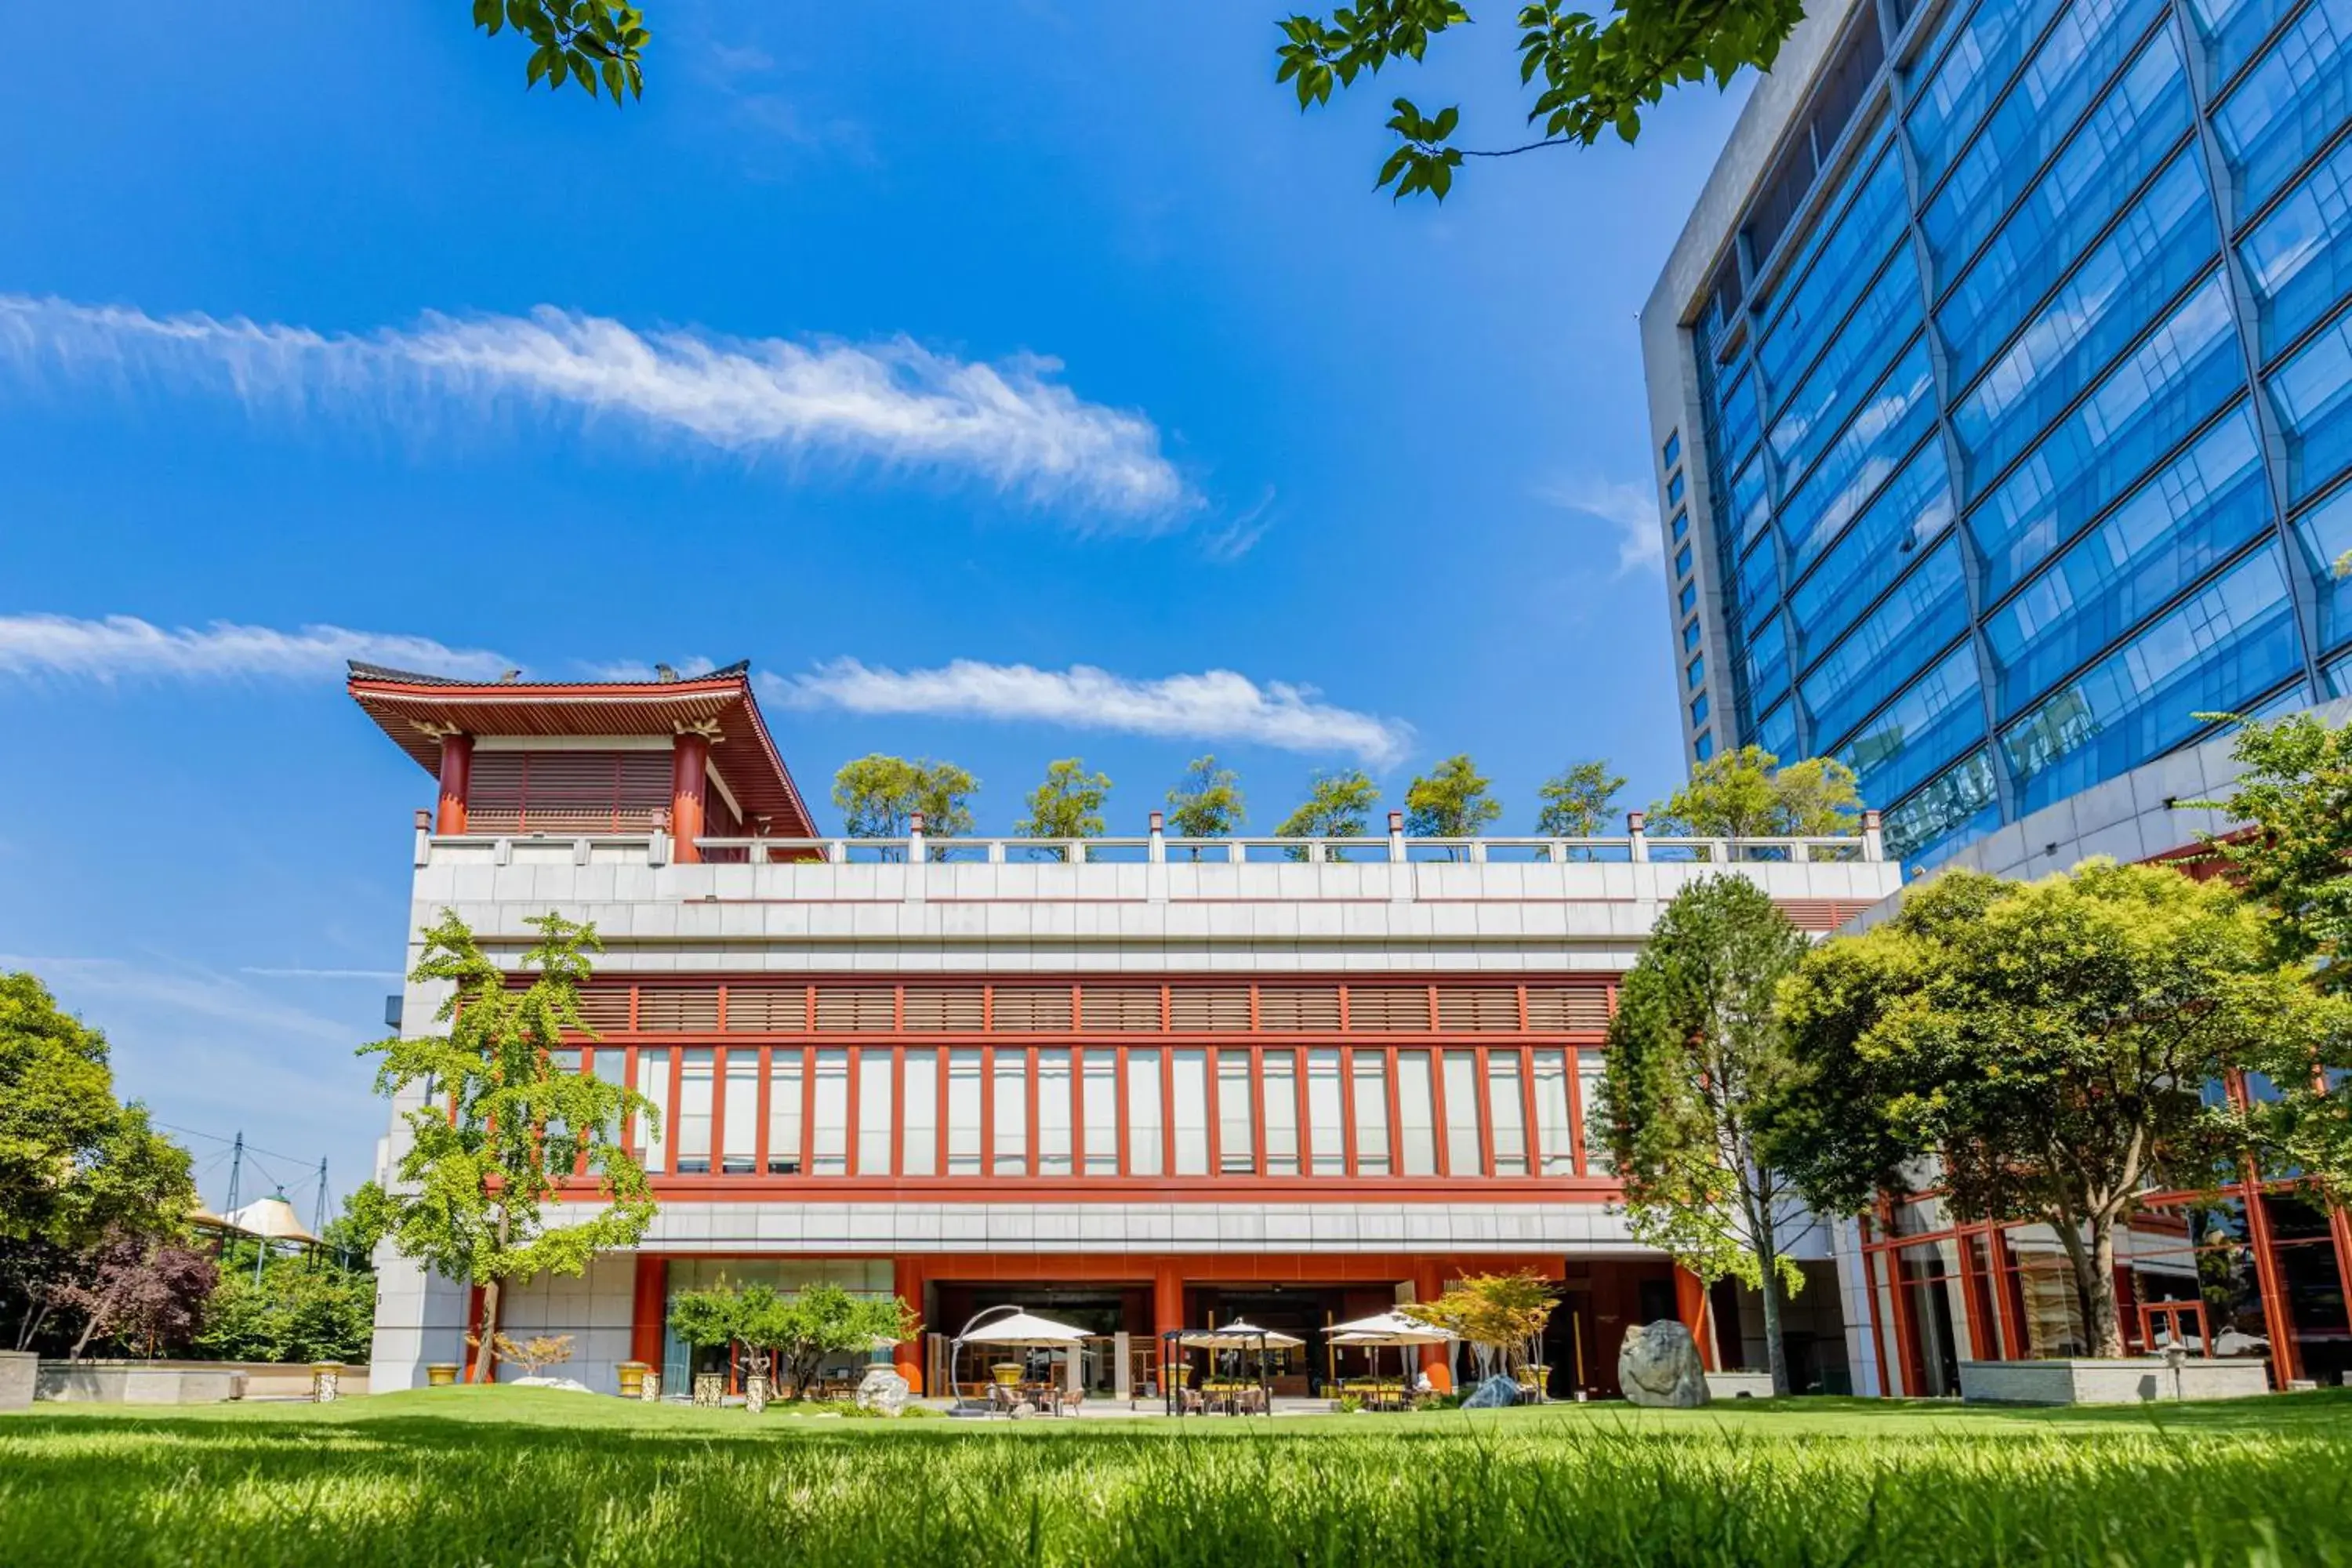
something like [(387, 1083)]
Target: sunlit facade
[(2001, 389)]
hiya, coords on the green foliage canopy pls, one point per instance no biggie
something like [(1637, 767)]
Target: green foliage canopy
[(802, 1328), (878, 796), (1578, 802), (303, 1309), (1745, 794), (1067, 805), (1450, 801), (1338, 806), (1206, 803), (1698, 1058), (477, 1180), (582, 41)]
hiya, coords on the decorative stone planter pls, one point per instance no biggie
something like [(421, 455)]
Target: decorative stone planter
[(1739, 1386), (2087, 1380), (440, 1373), (20, 1374), (755, 1393), (709, 1388), (632, 1379), (326, 1378), (650, 1389)]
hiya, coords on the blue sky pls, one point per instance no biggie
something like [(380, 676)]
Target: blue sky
[(923, 355)]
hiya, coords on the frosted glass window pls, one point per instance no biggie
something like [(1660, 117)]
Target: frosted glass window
[(1054, 1113), (1416, 1113), (874, 1112), (1555, 1132), (963, 1113), (1326, 1109), (1281, 1113), (918, 1149), (1143, 1113), (1190, 1114), (1371, 1098), (1464, 1154), (740, 1138), (784, 1090), (653, 1082), (1589, 1068), (1011, 1112), (829, 1119), (1236, 1142), (561, 1063), (1507, 1102), (694, 1113), (1100, 1087)]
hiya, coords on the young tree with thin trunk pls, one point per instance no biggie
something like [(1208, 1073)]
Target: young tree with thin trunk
[(496, 1143), (1069, 804), (1450, 801), (1696, 1058), (1745, 794), (878, 797), (1206, 802), (1578, 802), (2047, 1046)]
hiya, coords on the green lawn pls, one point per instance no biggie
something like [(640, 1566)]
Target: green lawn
[(506, 1477)]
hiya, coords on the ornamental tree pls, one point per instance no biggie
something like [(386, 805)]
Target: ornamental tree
[(495, 1146), (1698, 1058), (1745, 794), (2050, 1045), (1450, 801), (1206, 802), (1338, 806), (802, 1328), (1578, 802), (1069, 804), (878, 796), (1500, 1316), (139, 1291)]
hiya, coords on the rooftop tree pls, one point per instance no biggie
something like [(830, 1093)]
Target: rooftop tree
[(1578, 802), (1069, 804), (2047, 1045), (1698, 1058), (1338, 806), (1745, 794), (1206, 802), (495, 1144), (878, 796), (1450, 801)]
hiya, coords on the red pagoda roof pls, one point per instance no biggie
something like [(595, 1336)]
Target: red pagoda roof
[(417, 710)]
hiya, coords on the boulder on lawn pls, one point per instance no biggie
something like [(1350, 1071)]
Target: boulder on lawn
[(1498, 1392), (883, 1390), (1660, 1366)]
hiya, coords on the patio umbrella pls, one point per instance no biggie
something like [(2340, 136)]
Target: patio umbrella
[(1390, 1329), (1021, 1328), (1239, 1335)]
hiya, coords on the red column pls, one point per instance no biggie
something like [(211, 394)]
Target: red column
[(652, 1293), (689, 762), (1167, 1309), (1690, 1306), (1428, 1285), (456, 774), (907, 1281)]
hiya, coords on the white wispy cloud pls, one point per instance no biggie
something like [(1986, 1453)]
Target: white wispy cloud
[(1215, 705), (893, 402), (1228, 541), (1632, 509), (115, 647)]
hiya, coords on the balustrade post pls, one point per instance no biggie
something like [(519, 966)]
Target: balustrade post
[(1637, 832)]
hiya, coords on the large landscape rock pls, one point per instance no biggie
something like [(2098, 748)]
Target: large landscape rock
[(1498, 1392), (1660, 1366), (883, 1390)]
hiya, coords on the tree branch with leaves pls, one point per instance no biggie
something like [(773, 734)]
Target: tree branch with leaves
[(582, 41)]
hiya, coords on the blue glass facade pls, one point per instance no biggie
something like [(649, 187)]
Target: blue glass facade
[(2025, 395)]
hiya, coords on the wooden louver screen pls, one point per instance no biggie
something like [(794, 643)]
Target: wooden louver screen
[(566, 792), (767, 1009), (955, 1008), (671, 1010), (860, 1009), (1290, 1009), (1030, 1009), (605, 1008), (1564, 1009), (1478, 1009), (1199, 1009), (1388, 1008), (1127, 1008)]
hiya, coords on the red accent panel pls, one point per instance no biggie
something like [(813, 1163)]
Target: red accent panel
[(1690, 1306), (689, 783), (646, 1301), (456, 777)]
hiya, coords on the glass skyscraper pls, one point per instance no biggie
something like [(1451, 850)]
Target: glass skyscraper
[(2002, 384)]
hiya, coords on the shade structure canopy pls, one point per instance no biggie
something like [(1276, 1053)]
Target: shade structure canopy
[(270, 1218), (1390, 1329), (1238, 1335), (1022, 1328)]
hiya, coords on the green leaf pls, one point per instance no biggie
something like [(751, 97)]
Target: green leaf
[(613, 77)]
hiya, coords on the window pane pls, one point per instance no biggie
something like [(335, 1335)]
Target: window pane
[(2216, 652), (1011, 1112), (829, 1115), (1465, 1155), (1589, 1068), (1846, 251), (1325, 1108), (2289, 104), (739, 1156), (1916, 622), (1507, 1102), (919, 1146), (2186, 369), (1882, 321), (694, 1113), (1898, 412), (1236, 1136), (653, 1082), (1554, 1132), (1372, 1107), (1954, 806), (1904, 518), (1416, 1112), (963, 1113), (2300, 261), (1974, 54), (1281, 1072), (2197, 510), (1190, 1112), (1102, 1107), (1143, 1120), (874, 1111), (1054, 1088), (1920, 731), (784, 1090), (2313, 394), (2230, 30), (2322, 536)]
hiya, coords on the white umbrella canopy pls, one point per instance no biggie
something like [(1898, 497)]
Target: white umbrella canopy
[(1239, 1335), (1390, 1329), (1023, 1329)]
